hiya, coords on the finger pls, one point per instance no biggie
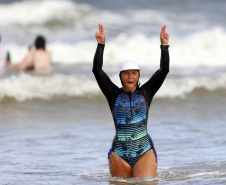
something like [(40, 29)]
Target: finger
[(161, 31), (97, 34), (164, 29), (101, 28), (167, 36)]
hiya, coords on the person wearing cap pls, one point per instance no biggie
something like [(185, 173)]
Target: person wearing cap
[(132, 153)]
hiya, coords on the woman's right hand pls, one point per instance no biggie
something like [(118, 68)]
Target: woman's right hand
[(100, 36), (164, 37)]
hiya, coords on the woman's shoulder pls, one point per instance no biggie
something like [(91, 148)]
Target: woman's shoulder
[(41, 51)]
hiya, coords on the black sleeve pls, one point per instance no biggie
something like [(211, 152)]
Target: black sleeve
[(106, 85), (155, 82)]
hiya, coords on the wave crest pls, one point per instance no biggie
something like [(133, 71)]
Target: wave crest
[(27, 87), (47, 13)]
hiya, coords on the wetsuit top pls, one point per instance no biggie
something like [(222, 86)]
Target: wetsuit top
[(130, 110)]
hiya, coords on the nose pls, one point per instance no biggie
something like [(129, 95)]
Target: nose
[(130, 75)]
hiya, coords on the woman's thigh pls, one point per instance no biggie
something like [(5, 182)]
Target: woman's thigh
[(118, 167), (146, 165)]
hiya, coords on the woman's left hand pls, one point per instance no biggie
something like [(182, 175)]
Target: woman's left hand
[(100, 36), (164, 37)]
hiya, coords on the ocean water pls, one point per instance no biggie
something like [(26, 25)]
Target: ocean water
[(56, 127)]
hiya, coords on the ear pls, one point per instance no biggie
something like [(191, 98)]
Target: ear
[(138, 82), (121, 79)]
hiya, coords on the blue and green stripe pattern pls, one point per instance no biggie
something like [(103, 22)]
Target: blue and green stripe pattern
[(130, 113)]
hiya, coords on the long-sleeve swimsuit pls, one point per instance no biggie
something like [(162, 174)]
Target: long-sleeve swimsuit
[(130, 110)]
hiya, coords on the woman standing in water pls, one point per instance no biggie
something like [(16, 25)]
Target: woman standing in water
[(133, 153)]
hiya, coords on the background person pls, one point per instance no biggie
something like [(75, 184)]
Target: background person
[(4, 57), (37, 59)]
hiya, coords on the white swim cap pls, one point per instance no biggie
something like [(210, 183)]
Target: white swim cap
[(129, 65)]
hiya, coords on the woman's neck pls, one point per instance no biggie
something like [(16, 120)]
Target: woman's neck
[(129, 90)]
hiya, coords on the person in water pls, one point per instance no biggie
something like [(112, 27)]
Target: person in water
[(4, 57), (132, 153), (38, 59)]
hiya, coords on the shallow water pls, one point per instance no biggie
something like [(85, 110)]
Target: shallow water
[(42, 143)]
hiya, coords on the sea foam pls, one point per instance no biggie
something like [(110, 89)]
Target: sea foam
[(192, 51), (25, 86)]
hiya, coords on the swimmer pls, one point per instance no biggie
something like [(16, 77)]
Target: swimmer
[(37, 59), (4, 57), (132, 153)]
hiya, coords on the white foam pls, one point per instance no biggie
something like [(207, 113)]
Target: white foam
[(39, 12), (167, 175), (42, 12), (209, 174), (24, 86), (180, 88), (73, 41), (193, 51)]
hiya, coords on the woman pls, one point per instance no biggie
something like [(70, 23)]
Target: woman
[(38, 59), (132, 153)]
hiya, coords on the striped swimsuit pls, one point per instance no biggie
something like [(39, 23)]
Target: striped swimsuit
[(130, 110)]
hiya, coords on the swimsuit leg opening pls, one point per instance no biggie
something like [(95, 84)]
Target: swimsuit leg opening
[(109, 153), (155, 154)]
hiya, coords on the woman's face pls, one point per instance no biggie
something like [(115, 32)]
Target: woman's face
[(130, 79)]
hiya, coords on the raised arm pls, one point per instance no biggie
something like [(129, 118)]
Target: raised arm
[(26, 63), (164, 61), (98, 59), (155, 82), (104, 82)]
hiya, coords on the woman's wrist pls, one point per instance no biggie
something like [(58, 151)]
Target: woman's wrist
[(164, 44), (99, 44)]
